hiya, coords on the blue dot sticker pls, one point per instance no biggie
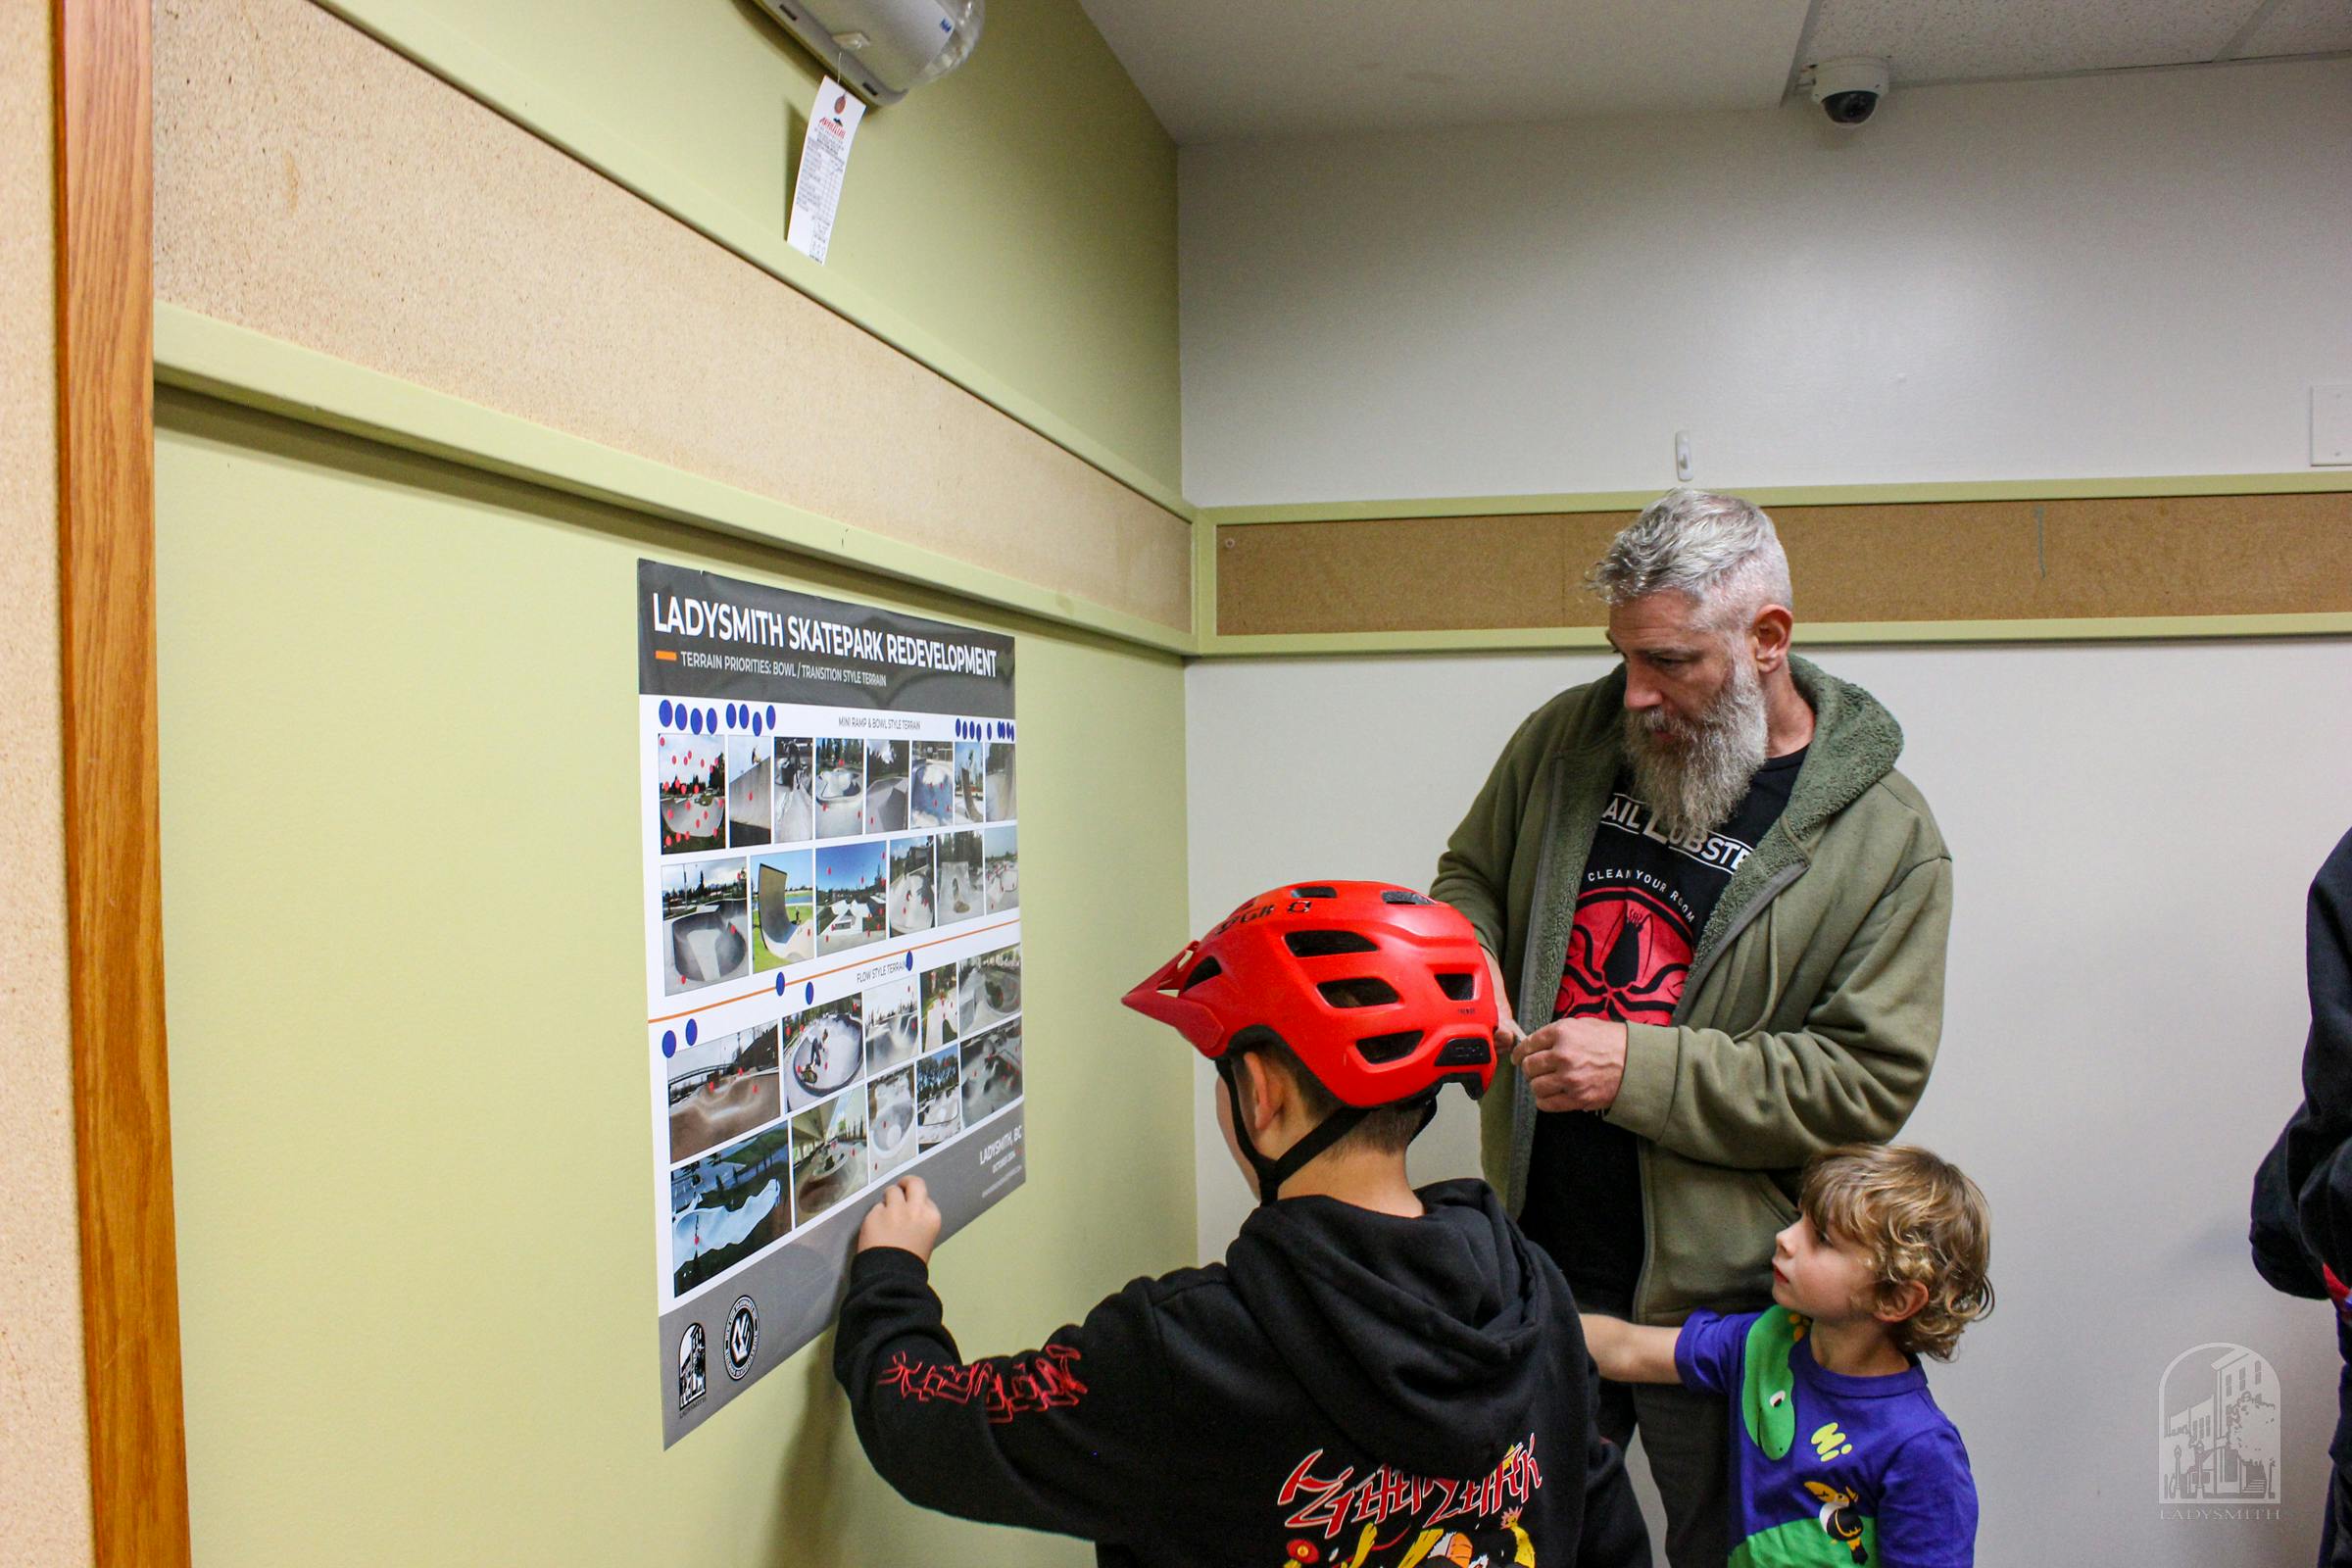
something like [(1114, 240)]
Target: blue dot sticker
[(759, 728), (809, 995), (909, 957), (779, 985), (694, 722), (730, 715), (711, 717), (691, 1031), (670, 1041), (771, 715), (663, 711)]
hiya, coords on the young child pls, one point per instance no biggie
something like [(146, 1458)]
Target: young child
[(1839, 1455), (1375, 1377)]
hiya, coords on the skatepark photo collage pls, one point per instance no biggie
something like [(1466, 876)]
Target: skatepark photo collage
[(740, 791), (900, 837), (775, 1126)]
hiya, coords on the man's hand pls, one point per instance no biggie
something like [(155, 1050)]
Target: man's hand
[(905, 1219), (1574, 1063), (1507, 1033)]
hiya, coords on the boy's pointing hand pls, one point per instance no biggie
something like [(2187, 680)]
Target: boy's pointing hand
[(905, 1219)]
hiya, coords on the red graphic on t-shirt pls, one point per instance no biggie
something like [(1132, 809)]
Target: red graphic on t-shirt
[(1627, 956)]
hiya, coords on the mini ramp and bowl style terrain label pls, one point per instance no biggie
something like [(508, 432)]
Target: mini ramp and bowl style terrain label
[(833, 950)]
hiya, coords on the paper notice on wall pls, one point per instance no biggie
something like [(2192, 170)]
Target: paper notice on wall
[(833, 951), (824, 159)]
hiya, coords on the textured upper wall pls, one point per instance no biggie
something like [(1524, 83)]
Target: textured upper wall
[(1021, 211), (315, 185), (44, 1436)]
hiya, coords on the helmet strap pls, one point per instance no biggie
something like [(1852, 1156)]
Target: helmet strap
[(1272, 1173)]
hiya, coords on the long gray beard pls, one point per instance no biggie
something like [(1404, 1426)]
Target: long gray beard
[(1694, 782)]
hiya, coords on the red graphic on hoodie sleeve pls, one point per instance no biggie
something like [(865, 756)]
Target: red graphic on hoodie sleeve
[(1003, 1389)]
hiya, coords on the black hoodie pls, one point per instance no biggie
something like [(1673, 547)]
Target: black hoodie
[(2303, 1191), (1348, 1390)]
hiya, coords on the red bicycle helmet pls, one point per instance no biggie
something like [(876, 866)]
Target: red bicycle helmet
[(1381, 993)]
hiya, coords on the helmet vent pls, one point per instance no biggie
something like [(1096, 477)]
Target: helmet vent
[(1459, 987), (1206, 969), (1326, 943), (1367, 991), (1389, 1047), (1465, 1053), (1315, 890), (1403, 896)]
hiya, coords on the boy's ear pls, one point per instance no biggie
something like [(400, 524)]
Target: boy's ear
[(1264, 1091), (1899, 1300)]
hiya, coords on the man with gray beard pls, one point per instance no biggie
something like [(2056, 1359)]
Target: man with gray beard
[(1719, 914)]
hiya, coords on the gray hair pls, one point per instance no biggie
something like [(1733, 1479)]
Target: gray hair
[(1720, 551)]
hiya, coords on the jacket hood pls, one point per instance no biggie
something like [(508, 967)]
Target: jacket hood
[(1427, 1341)]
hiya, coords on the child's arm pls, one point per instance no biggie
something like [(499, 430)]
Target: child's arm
[(1066, 1437), (1626, 1353)]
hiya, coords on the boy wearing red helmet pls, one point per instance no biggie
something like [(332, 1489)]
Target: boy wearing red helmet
[(1375, 1377)]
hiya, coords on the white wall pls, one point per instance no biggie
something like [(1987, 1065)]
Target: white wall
[(2137, 274), (2133, 828)]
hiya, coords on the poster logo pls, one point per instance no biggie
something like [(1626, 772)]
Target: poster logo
[(743, 1337), (2217, 1435), (694, 1380)]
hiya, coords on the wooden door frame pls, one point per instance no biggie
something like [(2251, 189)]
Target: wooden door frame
[(102, 77)]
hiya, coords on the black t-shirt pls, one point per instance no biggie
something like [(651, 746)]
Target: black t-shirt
[(1639, 914)]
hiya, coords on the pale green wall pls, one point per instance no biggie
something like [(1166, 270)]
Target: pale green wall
[(406, 971), (1020, 210)]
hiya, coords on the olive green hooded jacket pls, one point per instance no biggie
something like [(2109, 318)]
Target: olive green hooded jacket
[(1815, 997)]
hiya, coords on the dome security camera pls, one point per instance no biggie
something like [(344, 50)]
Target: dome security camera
[(1849, 90)]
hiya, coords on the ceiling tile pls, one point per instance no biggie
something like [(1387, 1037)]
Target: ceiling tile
[(1224, 70), (1960, 40), (2301, 28)]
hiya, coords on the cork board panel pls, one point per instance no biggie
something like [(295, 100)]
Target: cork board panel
[(2095, 558), (1408, 575), (314, 185), (44, 1436)]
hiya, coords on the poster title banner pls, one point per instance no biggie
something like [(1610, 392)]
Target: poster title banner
[(702, 635)]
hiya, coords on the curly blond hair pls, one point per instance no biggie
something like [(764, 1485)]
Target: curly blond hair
[(1919, 1220)]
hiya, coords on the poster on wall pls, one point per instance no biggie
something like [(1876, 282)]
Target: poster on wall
[(831, 836)]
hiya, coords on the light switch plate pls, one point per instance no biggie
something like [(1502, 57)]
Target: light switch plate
[(2330, 426)]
